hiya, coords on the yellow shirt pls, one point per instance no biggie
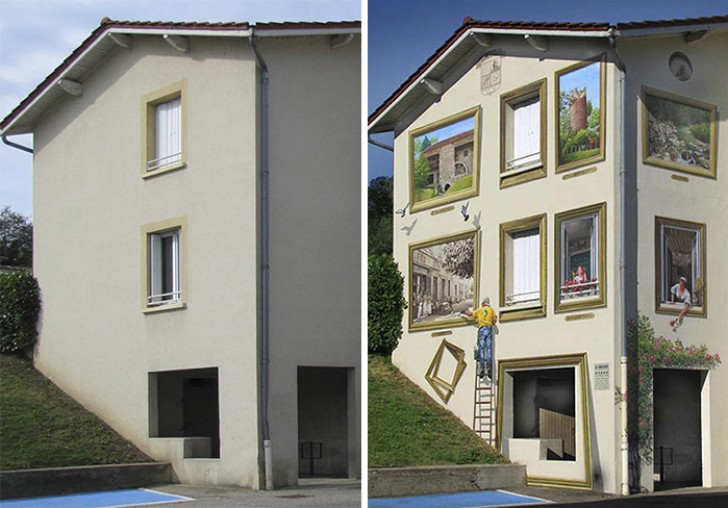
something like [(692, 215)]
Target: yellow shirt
[(484, 316)]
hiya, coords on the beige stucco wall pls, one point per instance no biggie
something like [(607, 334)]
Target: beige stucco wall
[(598, 336), (698, 199), (89, 205), (315, 192)]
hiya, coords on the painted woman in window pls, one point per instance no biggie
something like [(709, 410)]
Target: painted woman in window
[(679, 293)]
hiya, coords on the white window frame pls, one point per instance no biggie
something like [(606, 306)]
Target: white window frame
[(154, 296), (164, 130)]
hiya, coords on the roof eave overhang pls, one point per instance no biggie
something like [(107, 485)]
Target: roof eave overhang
[(306, 32), (374, 126), (626, 32), (64, 70)]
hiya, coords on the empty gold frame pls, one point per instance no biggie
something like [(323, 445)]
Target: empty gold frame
[(445, 388), (444, 160), (582, 478)]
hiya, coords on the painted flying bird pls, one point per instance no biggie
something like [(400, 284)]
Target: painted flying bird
[(403, 211), (464, 211), (408, 229)]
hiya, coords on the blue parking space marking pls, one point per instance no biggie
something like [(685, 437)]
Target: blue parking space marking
[(107, 499), (458, 500)]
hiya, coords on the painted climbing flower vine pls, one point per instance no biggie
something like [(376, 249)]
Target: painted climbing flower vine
[(659, 352)]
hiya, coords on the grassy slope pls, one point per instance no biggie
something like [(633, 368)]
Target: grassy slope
[(40, 426), (408, 428)]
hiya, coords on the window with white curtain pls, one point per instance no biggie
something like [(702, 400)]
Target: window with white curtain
[(523, 130), (523, 268), (168, 134)]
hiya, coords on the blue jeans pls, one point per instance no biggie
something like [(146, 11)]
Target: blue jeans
[(485, 348)]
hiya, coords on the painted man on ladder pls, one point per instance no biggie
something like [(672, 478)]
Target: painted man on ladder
[(486, 319)]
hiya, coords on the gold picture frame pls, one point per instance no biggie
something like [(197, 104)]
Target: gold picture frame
[(442, 387), (580, 135), (444, 160), (679, 133), (579, 363), (443, 281)]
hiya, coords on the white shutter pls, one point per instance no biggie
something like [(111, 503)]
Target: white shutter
[(526, 133), (155, 268), (526, 257), (168, 136)]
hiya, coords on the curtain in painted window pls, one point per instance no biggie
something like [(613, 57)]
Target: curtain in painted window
[(526, 133), (164, 276), (169, 132), (526, 255)]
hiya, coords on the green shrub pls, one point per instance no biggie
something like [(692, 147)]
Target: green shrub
[(386, 304), (19, 310), (701, 131)]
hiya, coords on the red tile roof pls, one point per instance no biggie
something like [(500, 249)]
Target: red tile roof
[(470, 23), (672, 22), (107, 24)]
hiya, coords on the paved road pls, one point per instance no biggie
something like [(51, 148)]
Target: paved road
[(328, 494)]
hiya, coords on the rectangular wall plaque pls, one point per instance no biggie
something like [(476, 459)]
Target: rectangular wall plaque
[(441, 334), (579, 317), (601, 376), (580, 173), (442, 210)]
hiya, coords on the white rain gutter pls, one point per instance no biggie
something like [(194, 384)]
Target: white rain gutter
[(265, 267), (466, 34), (624, 446), (305, 32)]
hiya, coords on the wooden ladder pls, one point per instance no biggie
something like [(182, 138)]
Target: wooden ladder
[(484, 410)]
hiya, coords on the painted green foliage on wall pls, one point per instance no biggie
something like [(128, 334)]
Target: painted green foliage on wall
[(659, 352)]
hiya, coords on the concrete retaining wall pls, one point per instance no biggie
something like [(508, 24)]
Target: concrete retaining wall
[(67, 480), (412, 481)]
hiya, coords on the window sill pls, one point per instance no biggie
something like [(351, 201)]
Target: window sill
[(580, 303), (164, 169), (511, 178), (676, 308), (164, 308), (523, 311)]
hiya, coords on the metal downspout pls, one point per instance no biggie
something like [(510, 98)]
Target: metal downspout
[(265, 266), (15, 145), (622, 265)]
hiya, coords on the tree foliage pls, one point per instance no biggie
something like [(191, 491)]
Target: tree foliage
[(16, 239), (386, 304), (460, 257), (19, 310), (380, 215)]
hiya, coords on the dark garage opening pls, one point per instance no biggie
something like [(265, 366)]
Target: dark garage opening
[(323, 439), (678, 444), (544, 406), (185, 403)]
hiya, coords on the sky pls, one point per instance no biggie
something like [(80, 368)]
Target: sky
[(404, 33), (37, 35)]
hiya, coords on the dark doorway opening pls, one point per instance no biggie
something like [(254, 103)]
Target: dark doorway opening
[(677, 428), (323, 422), (544, 407), (185, 403)]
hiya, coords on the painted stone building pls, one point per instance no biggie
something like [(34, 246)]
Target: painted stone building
[(598, 195), (186, 249)]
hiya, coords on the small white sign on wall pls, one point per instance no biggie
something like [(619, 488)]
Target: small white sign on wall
[(601, 376)]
